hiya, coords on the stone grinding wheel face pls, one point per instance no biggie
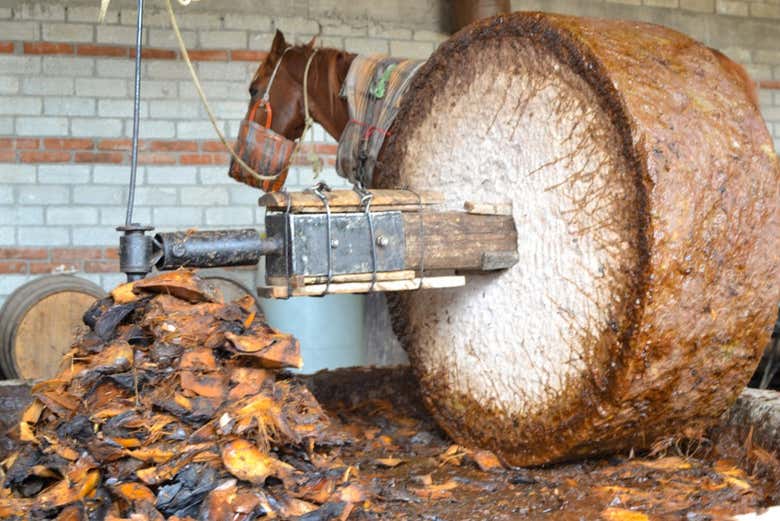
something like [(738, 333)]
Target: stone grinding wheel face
[(644, 187)]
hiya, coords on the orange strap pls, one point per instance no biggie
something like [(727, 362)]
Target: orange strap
[(268, 112)]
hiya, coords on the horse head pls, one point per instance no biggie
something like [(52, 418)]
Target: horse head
[(276, 115)]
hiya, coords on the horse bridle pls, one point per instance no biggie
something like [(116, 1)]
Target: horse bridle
[(267, 152)]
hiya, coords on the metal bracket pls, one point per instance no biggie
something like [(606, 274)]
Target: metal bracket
[(350, 244)]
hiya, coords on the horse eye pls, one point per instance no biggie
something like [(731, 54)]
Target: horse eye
[(253, 91)]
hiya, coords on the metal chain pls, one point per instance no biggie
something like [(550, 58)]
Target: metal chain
[(319, 190)]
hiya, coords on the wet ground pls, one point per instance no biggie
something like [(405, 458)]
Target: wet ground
[(415, 472)]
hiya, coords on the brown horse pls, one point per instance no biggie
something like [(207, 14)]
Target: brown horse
[(285, 100)]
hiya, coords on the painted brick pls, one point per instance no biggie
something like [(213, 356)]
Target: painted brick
[(68, 32), (41, 195), (242, 195), (48, 86), (166, 39), (115, 175), (213, 175), (731, 8), (99, 195), (50, 11), (366, 46), (155, 89), (5, 12), (71, 215), (41, 126), (393, 33), (297, 25), (89, 14), (21, 215), (166, 109), (765, 10), (63, 174), (20, 105), (120, 108), (96, 127), (116, 215), (102, 87), (152, 17), (17, 30), (9, 85), (222, 39), (177, 216), (699, 6), (95, 235), (413, 50), (58, 106), (118, 35), (167, 70), (7, 238), (43, 236), (251, 22), (152, 129), (68, 66), (20, 65), (260, 41), (767, 56), (112, 68), (215, 90), (237, 71), (6, 195), (190, 20), (229, 216), (204, 196), (170, 175), (235, 110), (156, 195), (335, 27), (17, 174), (6, 125), (195, 130)]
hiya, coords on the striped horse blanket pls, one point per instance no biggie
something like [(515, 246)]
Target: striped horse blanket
[(374, 88)]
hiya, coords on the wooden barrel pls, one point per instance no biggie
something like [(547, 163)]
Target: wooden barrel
[(38, 322), (645, 190)]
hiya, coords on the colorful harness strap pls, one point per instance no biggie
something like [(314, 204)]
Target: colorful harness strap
[(374, 88)]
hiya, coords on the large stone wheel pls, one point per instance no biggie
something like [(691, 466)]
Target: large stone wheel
[(645, 190)]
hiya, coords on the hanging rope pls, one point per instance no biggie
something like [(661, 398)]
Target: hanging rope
[(308, 121)]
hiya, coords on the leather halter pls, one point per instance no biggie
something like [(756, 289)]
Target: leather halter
[(266, 151)]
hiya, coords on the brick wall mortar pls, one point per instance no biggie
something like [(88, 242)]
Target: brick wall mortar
[(65, 89)]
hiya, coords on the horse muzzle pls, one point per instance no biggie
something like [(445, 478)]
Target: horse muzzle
[(266, 152)]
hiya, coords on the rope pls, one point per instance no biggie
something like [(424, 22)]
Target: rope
[(185, 54)]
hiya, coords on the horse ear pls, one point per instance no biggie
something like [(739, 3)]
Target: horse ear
[(312, 42), (279, 44)]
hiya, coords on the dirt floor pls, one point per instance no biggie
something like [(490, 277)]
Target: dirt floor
[(408, 469), (415, 472)]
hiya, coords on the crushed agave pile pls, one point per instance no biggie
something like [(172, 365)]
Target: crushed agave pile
[(174, 405)]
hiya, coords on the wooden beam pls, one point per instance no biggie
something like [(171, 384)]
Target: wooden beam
[(349, 201), (460, 241)]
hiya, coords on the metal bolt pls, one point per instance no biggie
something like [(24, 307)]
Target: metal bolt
[(382, 241), (179, 250), (334, 243)]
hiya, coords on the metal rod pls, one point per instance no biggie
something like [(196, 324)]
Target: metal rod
[(136, 112)]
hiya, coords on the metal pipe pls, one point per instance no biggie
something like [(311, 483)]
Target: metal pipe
[(211, 249), (136, 112)]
